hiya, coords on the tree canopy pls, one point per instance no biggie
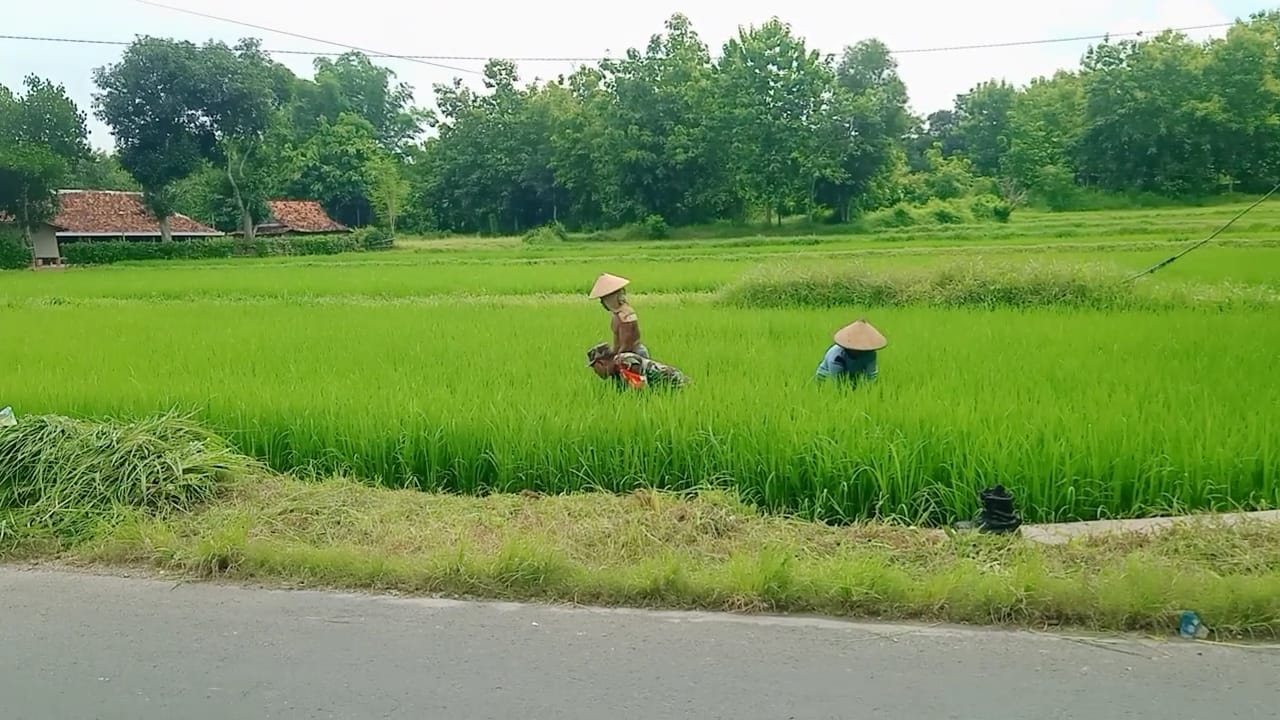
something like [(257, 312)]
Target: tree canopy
[(669, 133)]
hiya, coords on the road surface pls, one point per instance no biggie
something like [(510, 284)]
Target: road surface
[(82, 646)]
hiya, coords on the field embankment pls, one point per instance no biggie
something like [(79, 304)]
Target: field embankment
[(164, 494)]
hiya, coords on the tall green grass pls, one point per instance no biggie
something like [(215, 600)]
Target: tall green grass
[(980, 282), (1082, 413)]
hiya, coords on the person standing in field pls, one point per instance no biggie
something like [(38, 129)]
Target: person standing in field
[(610, 290), (853, 356), (631, 371)]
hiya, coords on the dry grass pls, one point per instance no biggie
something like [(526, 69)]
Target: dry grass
[(705, 551)]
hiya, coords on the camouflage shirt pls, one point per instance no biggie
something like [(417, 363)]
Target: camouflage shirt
[(638, 372)]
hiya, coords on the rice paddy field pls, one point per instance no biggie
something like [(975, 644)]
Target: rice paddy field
[(459, 364)]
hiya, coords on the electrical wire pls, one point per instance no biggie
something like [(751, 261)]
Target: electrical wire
[(431, 59)]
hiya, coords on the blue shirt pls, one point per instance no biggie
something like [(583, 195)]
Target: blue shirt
[(848, 365)]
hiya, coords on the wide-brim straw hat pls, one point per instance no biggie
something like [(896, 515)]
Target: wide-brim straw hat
[(860, 335), (607, 284)]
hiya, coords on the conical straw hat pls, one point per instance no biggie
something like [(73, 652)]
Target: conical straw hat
[(607, 284), (860, 336)]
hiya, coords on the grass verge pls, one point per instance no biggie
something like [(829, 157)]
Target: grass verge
[(704, 551), (163, 493)]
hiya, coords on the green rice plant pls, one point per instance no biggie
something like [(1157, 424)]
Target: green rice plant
[(60, 477), (1082, 413)]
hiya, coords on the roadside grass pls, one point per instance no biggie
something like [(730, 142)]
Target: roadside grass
[(701, 550)]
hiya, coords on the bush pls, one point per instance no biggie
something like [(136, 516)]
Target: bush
[(990, 207), (14, 254), (656, 228), (548, 234), (373, 238), (105, 252), (901, 215), (947, 213)]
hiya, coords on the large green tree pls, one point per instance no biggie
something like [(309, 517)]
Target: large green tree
[(770, 92), (42, 134)]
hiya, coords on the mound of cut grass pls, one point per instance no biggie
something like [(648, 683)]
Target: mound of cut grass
[(62, 477)]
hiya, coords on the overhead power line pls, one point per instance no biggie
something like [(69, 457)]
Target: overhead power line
[(436, 60)]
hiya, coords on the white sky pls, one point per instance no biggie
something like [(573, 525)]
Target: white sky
[(589, 28)]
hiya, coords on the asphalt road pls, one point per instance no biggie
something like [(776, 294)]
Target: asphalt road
[(80, 646)]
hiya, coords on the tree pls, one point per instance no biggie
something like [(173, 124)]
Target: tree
[(100, 170), (657, 144), (351, 83), (146, 99), (42, 133), (982, 124), (1044, 128), (388, 189), (771, 89), (867, 124), (239, 107), (333, 167)]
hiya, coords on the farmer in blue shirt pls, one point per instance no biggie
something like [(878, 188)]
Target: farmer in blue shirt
[(853, 356)]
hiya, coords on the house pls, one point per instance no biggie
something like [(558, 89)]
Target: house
[(290, 217), (88, 215)]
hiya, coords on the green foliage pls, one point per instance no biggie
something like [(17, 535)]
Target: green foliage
[(106, 252), (42, 133), (60, 477), (14, 253), (373, 238), (550, 234), (655, 228), (772, 129)]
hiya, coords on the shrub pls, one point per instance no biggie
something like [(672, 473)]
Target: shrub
[(548, 234), (990, 207), (947, 213), (14, 254), (656, 228), (373, 238), (105, 252)]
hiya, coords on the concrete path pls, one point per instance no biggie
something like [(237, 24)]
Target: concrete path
[(110, 648)]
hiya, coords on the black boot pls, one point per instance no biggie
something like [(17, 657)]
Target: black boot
[(998, 515)]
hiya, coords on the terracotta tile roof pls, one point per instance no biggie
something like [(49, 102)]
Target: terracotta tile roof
[(302, 216), (115, 213)]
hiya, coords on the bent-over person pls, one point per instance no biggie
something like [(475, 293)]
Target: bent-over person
[(631, 371), (852, 358)]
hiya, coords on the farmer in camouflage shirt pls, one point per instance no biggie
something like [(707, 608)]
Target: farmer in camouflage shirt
[(632, 371)]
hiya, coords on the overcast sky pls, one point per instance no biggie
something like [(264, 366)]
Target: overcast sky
[(589, 28)]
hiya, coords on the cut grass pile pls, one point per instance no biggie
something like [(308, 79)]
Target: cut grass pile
[(709, 551), (64, 478), (1083, 414)]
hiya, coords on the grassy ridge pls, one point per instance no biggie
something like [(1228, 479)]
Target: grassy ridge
[(708, 551), (406, 275), (1083, 414)]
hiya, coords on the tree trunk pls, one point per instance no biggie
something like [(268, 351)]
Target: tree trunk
[(246, 223), (166, 233), (246, 218), (26, 227)]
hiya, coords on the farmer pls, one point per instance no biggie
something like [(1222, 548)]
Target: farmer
[(630, 370), (853, 356), (609, 290)]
